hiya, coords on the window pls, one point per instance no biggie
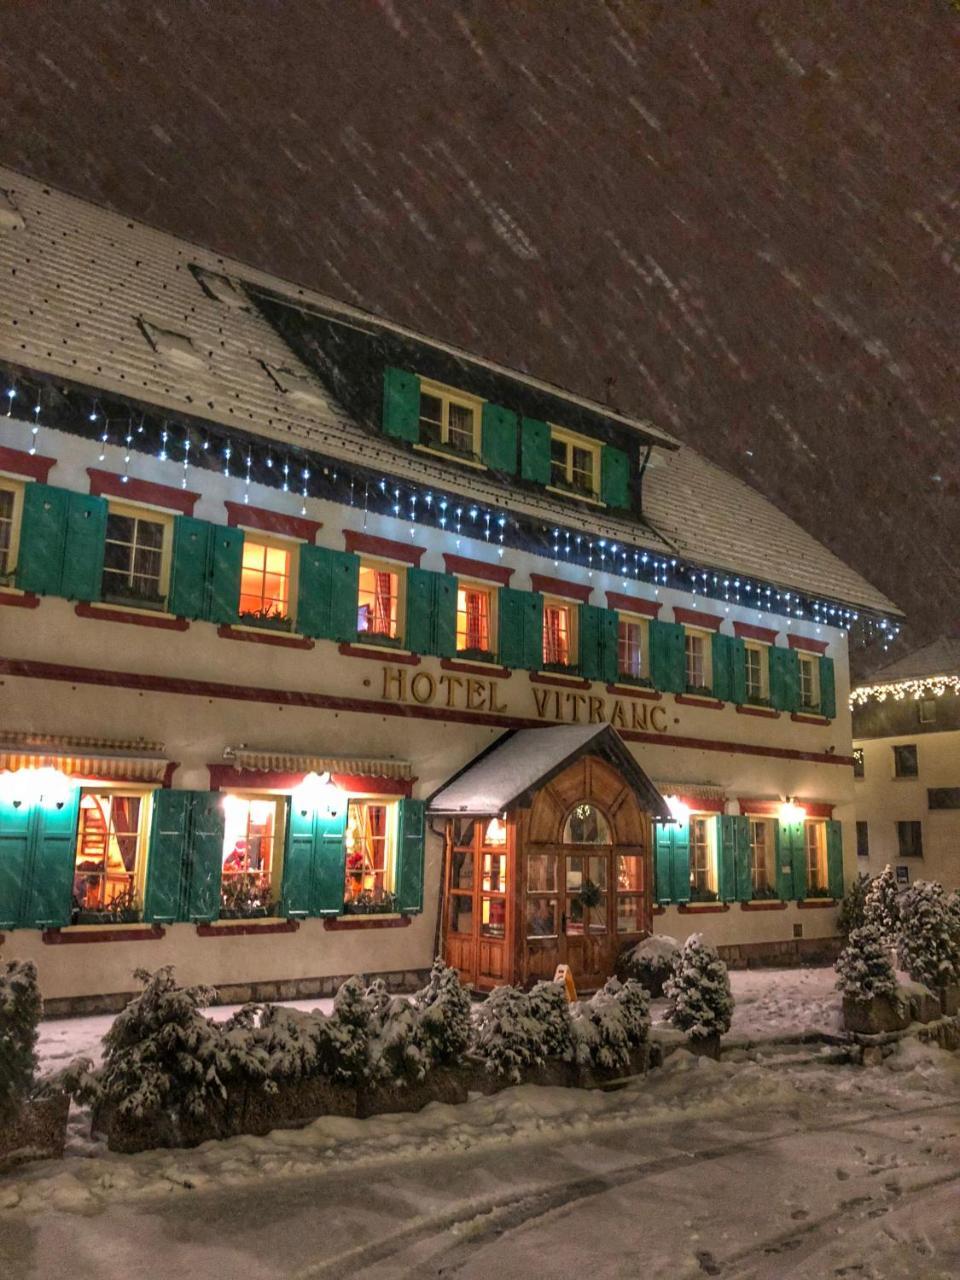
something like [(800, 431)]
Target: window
[(542, 905), (858, 771), (449, 420), (559, 637), (910, 839), (586, 884), (927, 710), (378, 606), (699, 675), (809, 681), (574, 463), (11, 501), (371, 853), (703, 860), (632, 654), (475, 621), (629, 894), (136, 559), (815, 845), (265, 583), (756, 672), (109, 856), (863, 839), (763, 876), (905, 762), (586, 824), (252, 841)]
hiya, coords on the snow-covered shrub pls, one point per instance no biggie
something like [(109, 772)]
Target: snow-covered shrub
[(287, 1039), (881, 905), (929, 948), (635, 1005), (550, 1008), (21, 1009), (396, 1051), (650, 962), (508, 1035), (864, 966), (614, 1021), (698, 992), (444, 1009), (854, 903), (345, 1037)]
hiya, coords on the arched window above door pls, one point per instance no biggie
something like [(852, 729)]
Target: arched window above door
[(586, 824)]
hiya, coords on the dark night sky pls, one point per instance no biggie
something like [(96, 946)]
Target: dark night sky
[(739, 218)]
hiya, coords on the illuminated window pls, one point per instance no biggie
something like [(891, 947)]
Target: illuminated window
[(629, 894), (109, 854), (815, 843), (136, 557), (371, 853), (252, 834), (703, 859), (763, 876), (265, 579), (559, 642), (475, 620), (632, 647), (574, 463), (586, 824), (809, 680), (542, 903), (586, 902), (449, 420), (11, 497), (697, 661), (755, 660), (378, 607)]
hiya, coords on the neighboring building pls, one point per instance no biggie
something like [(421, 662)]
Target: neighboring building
[(906, 729), (279, 577)]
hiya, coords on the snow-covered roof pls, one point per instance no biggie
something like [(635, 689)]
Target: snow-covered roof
[(112, 304), (939, 658), (506, 773)]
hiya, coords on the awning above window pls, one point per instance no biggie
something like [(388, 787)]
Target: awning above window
[(106, 759), (707, 792), (287, 762)]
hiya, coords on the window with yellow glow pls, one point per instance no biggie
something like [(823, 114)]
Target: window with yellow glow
[(632, 647), (265, 578), (371, 853), (108, 864), (809, 681), (252, 836), (449, 421), (475, 620), (815, 843), (11, 497), (559, 647), (378, 602), (698, 667), (703, 859), (574, 463), (763, 876)]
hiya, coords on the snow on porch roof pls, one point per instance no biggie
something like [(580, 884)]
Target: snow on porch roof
[(518, 763)]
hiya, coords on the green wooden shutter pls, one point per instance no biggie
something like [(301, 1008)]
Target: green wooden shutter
[(791, 861), (418, 628), (667, 658), (498, 440), (784, 678), (738, 670), (743, 876), (598, 643), (721, 665), (296, 890), (614, 477), (226, 558), (681, 862), (799, 845), (84, 546), (49, 897), (43, 530), (166, 860), (535, 451), (727, 858), (828, 689), (327, 594), (410, 848), (521, 629), (835, 859), (330, 861), (188, 567), (204, 860), (401, 404), (444, 608), (663, 861), (17, 822)]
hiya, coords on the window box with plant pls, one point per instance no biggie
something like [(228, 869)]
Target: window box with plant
[(266, 578), (133, 595), (246, 897), (268, 618), (123, 908)]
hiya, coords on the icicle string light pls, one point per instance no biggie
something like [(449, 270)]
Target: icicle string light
[(898, 690)]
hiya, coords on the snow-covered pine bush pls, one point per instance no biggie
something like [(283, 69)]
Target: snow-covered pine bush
[(396, 1050), (864, 966), (345, 1037), (21, 1009), (444, 1009), (649, 962), (162, 1055), (928, 948), (852, 908), (881, 905), (610, 1024), (287, 1040), (508, 1035), (635, 1005), (550, 1007), (698, 992)]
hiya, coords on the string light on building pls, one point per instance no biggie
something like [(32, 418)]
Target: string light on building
[(916, 688)]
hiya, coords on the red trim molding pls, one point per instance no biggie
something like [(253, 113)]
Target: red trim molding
[(631, 604), (816, 904), (224, 776), (239, 514), (335, 924), (695, 618), (800, 717), (804, 642), (368, 544), (701, 804), (702, 908), (379, 655), (561, 682), (475, 669), (560, 587), (19, 599), (164, 622), (747, 631), (633, 691), (104, 933), (771, 808), (692, 700), (763, 905), (245, 928), (30, 465), (278, 638), (768, 713), (659, 911), (467, 568), (111, 485)]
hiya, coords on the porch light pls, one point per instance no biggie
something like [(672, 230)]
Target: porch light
[(47, 786), (318, 794), (679, 811), (790, 811), (496, 832)]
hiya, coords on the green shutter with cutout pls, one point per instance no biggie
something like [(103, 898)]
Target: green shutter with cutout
[(791, 860), (743, 873), (410, 855), (727, 858), (48, 900), (297, 886), (401, 405), (445, 615), (835, 886), (204, 862), (521, 629), (598, 643), (418, 628), (784, 678), (327, 594), (667, 656), (82, 575), (662, 862), (330, 863), (498, 439), (17, 824), (738, 670), (614, 477), (167, 856), (226, 559), (43, 531), (535, 451), (681, 862), (828, 689), (188, 567), (720, 662)]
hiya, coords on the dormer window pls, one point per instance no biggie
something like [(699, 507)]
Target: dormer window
[(574, 463), (176, 348), (449, 420)]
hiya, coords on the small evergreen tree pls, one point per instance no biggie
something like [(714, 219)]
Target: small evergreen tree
[(699, 1000), (881, 905), (445, 1015), (610, 1024), (929, 948), (21, 1009), (551, 1009), (852, 908), (864, 966), (508, 1035)]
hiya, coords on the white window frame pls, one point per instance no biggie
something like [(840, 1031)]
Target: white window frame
[(809, 662), (145, 795), (709, 821), (279, 800), (770, 849), (156, 515), (571, 440), (635, 619), (257, 537), (818, 827), (12, 484), (763, 651), (706, 639), (451, 396)]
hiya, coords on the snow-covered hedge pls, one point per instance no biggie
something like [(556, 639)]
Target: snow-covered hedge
[(609, 1026), (864, 966), (508, 1034), (698, 993), (21, 1009), (649, 962), (929, 941)]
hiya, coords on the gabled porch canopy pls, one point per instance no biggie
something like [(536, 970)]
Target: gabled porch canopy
[(509, 771)]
